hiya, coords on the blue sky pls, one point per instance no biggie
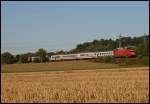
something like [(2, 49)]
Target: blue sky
[(61, 25)]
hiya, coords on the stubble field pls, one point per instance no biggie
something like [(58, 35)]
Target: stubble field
[(102, 86)]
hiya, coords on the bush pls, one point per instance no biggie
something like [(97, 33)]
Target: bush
[(135, 61), (99, 59), (143, 61), (140, 56), (36, 60), (24, 58), (109, 59)]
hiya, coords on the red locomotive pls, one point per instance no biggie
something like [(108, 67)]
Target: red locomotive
[(120, 52)]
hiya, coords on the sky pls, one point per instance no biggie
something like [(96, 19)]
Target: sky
[(27, 26)]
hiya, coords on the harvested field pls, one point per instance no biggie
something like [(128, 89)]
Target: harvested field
[(103, 86)]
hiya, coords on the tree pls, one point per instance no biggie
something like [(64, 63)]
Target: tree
[(24, 58), (61, 52), (17, 58), (141, 43), (7, 58), (42, 54)]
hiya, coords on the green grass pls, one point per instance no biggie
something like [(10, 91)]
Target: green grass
[(59, 66)]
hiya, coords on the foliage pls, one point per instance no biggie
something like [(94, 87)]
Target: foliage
[(17, 58), (107, 59), (61, 52), (36, 60), (139, 61), (42, 54), (7, 58), (24, 58), (139, 44)]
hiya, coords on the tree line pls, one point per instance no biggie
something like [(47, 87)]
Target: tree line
[(8, 58), (139, 44)]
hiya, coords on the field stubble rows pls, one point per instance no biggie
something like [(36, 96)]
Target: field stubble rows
[(87, 86)]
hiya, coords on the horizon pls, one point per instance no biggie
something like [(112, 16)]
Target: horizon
[(54, 26)]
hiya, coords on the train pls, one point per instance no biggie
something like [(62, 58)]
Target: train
[(119, 52)]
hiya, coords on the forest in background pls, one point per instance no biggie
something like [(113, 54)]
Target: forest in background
[(139, 44)]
